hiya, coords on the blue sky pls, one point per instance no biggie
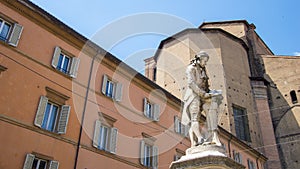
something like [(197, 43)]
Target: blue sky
[(277, 22)]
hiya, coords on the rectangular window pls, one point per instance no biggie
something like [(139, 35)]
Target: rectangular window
[(64, 63), (10, 32), (4, 30), (251, 164), (105, 137), (237, 157), (241, 123), (33, 162), (52, 117), (151, 110), (179, 127), (149, 155), (111, 88)]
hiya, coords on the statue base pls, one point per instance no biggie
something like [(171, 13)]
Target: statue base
[(205, 157)]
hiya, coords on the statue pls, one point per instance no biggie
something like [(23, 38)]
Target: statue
[(197, 99)]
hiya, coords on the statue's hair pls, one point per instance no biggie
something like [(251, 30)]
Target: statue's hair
[(200, 56)]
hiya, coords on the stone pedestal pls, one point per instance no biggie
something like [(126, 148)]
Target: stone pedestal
[(205, 157)]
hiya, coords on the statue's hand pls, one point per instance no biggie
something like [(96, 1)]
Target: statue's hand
[(207, 96)]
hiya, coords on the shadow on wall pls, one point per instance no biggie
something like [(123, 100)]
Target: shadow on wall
[(285, 112)]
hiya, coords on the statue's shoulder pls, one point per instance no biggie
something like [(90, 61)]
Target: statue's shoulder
[(191, 67)]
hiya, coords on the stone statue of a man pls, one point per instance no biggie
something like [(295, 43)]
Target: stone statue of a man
[(199, 98), (197, 94)]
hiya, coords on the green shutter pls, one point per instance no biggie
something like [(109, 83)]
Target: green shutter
[(96, 133), (15, 35), (63, 119), (28, 161), (155, 157), (53, 165), (55, 57), (104, 82), (118, 92), (74, 67), (39, 117), (142, 152), (113, 140)]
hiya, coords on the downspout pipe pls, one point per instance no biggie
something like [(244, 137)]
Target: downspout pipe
[(229, 147), (84, 109)]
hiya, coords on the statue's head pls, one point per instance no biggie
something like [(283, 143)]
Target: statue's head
[(201, 58)]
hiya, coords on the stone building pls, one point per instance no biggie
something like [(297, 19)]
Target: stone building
[(67, 103), (261, 90)]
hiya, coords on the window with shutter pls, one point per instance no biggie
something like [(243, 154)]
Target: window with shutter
[(251, 164), (151, 110), (10, 32), (111, 88), (179, 127), (64, 63), (51, 116), (148, 154), (105, 137), (35, 162), (237, 157)]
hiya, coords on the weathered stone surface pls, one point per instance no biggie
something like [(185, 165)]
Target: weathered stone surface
[(208, 162)]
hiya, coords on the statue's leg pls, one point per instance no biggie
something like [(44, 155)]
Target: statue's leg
[(191, 134), (196, 128)]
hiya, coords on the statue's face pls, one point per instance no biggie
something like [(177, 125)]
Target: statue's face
[(202, 62)]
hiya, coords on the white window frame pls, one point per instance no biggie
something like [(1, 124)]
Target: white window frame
[(1, 28), (73, 64), (117, 87), (64, 58), (150, 156), (61, 119), (110, 138), (50, 115), (151, 110), (30, 158), (14, 34), (179, 127)]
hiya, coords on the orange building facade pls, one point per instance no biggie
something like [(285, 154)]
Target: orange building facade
[(67, 103)]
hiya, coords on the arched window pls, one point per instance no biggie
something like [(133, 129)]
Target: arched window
[(294, 96)]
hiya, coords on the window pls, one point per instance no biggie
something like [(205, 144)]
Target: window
[(105, 137), (64, 63), (149, 154), (294, 97), (33, 162), (241, 124), (111, 89), (151, 110), (179, 127), (237, 157), (51, 116), (9, 32), (251, 164)]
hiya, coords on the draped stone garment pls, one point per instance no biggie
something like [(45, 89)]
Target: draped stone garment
[(197, 86)]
